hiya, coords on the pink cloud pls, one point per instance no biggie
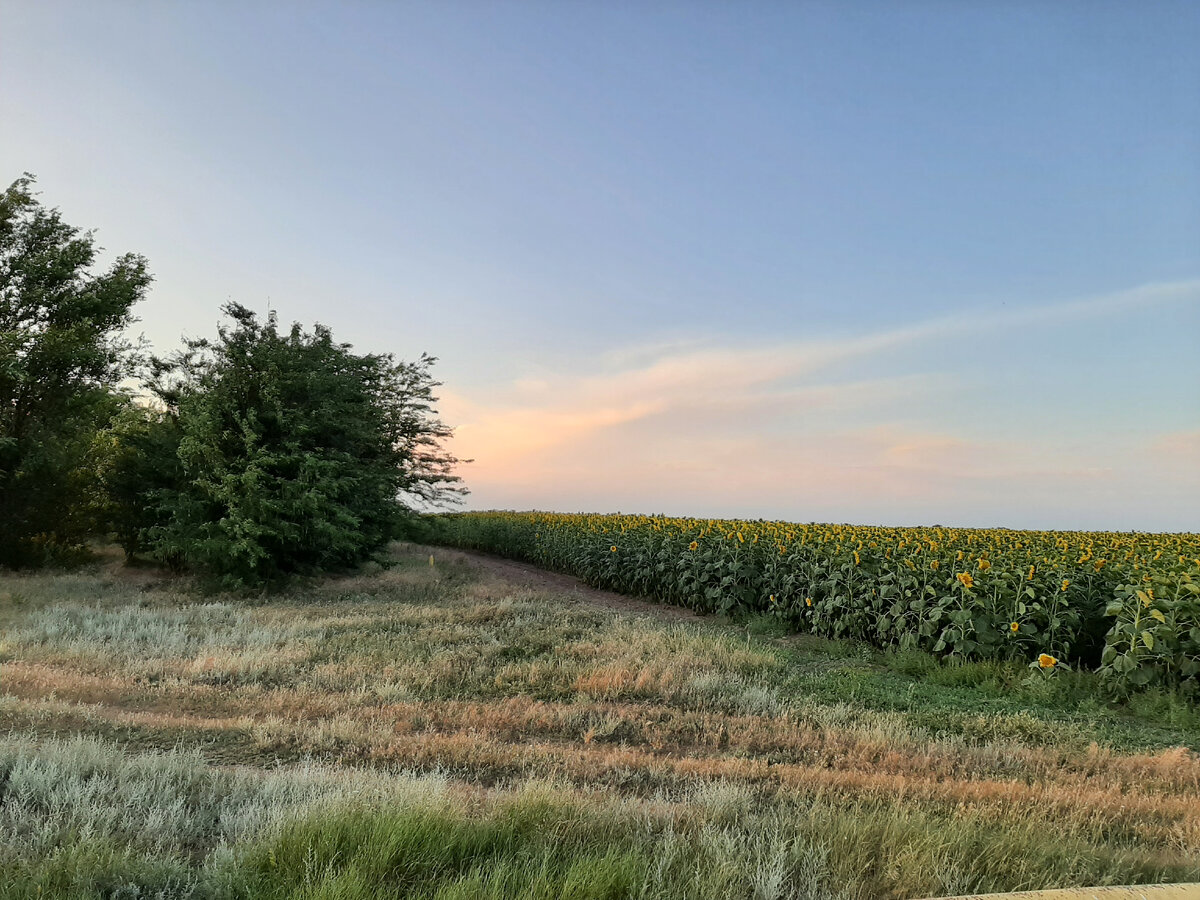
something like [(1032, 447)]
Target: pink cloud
[(756, 431)]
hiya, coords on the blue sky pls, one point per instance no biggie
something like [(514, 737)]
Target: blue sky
[(863, 261)]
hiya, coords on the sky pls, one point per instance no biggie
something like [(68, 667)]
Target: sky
[(900, 263)]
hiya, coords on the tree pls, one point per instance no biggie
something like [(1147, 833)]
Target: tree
[(137, 462), (296, 455), (61, 358)]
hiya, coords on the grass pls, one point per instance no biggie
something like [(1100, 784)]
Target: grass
[(444, 731)]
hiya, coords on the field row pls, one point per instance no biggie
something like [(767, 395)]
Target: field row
[(1127, 605)]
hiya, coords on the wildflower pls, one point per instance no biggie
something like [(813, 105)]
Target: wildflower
[(741, 540), (857, 558), (694, 545), (1029, 577), (1014, 627), (808, 601), (959, 556), (967, 581), (772, 599), (1046, 661), (1066, 584), (934, 565), (613, 548), (1099, 564)]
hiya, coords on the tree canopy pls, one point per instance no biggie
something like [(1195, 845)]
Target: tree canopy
[(254, 456), (62, 355), (295, 454)]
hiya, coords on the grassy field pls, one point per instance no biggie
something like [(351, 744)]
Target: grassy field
[(466, 729)]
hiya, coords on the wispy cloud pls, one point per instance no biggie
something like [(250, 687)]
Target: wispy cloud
[(761, 427), (1178, 455)]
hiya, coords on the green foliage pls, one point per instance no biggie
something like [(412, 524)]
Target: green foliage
[(964, 594), (1155, 638), (294, 452), (537, 850), (139, 461), (61, 357)]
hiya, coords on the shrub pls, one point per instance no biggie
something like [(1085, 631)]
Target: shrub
[(295, 454)]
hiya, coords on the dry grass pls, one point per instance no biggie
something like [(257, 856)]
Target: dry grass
[(708, 737)]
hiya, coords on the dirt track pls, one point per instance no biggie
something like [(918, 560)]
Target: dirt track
[(568, 585)]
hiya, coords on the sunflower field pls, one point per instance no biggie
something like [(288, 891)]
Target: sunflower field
[(1125, 604)]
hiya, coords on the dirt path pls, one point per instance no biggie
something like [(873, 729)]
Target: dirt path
[(531, 576)]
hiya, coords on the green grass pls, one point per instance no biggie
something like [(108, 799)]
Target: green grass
[(91, 822), (949, 696), (435, 731)]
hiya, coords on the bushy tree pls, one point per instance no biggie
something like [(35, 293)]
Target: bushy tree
[(61, 357), (137, 462), (296, 455)]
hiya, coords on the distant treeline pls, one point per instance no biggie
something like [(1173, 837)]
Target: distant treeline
[(255, 455)]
